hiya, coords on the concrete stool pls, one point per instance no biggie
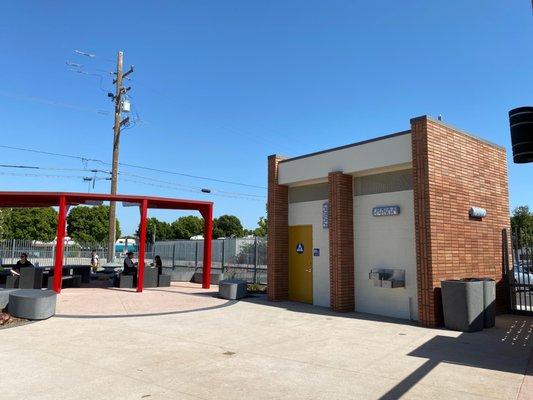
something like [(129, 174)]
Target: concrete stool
[(164, 280), (32, 303), (150, 277), (232, 289), (12, 282), (126, 281), (4, 297)]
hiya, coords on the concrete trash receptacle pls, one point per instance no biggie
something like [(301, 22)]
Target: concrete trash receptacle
[(489, 302), (462, 302), (232, 289)]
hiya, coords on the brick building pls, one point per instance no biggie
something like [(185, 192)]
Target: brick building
[(375, 226)]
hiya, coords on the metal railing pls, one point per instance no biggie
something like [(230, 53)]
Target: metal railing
[(520, 278), (243, 258)]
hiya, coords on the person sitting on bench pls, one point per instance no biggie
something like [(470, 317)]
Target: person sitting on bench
[(23, 262), (129, 267)]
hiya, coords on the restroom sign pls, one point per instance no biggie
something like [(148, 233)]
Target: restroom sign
[(385, 211), (300, 248), (325, 215)]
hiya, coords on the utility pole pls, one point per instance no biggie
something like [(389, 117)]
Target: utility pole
[(117, 97)]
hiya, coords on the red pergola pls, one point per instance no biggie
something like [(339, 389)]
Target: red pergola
[(65, 200)]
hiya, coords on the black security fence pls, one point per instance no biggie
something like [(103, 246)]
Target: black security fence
[(520, 276)]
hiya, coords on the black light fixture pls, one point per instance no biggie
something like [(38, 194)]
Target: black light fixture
[(521, 122)]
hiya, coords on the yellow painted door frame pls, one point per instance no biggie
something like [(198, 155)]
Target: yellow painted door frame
[(301, 263)]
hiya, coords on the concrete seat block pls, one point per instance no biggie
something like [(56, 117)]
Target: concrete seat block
[(4, 297), (150, 277), (232, 289), (35, 304), (164, 280), (12, 282), (215, 277), (126, 281)]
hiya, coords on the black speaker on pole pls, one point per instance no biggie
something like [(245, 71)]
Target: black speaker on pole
[(521, 122)]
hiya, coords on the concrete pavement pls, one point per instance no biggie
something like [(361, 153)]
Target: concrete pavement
[(183, 343)]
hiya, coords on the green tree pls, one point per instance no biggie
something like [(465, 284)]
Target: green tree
[(160, 230), (30, 223), (522, 219), (261, 230), (187, 227), (227, 226), (89, 224)]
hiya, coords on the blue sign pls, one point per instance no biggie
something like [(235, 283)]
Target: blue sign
[(385, 211), (316, 252), (325, 215), (299, 248)]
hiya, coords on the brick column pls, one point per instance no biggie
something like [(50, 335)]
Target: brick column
[(278, 234), (453, 171), (341, 244)]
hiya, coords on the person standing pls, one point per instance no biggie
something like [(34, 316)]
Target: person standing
[(95, 261)]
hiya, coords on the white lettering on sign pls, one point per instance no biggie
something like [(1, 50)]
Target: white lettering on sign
[(325, 215), (299, 248), (385, 211)]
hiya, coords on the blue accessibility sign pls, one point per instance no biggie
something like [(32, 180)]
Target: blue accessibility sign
[(299, 248)]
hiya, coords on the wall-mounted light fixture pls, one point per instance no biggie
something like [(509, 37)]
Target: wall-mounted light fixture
[(477, 212), (521, 122)]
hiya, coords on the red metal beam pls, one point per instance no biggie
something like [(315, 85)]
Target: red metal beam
[(142, 245), (60, 244), (207, 213)]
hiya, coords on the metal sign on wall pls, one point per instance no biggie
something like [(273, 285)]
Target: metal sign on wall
[(385, 211), (325, 215)]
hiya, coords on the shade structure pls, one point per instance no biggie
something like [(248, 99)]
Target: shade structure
[(521, 123), (66, 199)]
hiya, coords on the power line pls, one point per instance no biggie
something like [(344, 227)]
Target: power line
[(87, 159), (195, 188)]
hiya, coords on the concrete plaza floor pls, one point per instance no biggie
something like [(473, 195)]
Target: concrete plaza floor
[(184, 343)]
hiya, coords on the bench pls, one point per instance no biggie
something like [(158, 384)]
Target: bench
[(125, 281), (12, 282), (150, 277), (35, 304), (66, 281)]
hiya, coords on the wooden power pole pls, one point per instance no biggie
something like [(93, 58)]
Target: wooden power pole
[(117, 97)]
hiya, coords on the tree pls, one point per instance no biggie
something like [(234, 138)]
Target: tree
[(90, 224), (30, 223), (261, 229), (227, 226), (187, 227), (160, 230), (522, 219)]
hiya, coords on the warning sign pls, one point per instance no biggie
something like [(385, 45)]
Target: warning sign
[(299, 248)]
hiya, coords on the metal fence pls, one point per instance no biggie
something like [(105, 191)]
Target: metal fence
[(520, 278), (243, 258)]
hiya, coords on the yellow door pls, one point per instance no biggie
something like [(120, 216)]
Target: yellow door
[(301, 263)]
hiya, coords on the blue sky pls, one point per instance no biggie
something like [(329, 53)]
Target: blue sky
[(219, 85)]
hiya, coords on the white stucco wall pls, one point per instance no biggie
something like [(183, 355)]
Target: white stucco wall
[(369, 156), (385, 242), (310, 213)]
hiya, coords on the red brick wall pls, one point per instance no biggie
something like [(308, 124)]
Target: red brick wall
[(451, 172), (341, 245), (278, 235)]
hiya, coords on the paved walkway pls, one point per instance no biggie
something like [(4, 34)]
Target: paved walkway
[(183, 343)]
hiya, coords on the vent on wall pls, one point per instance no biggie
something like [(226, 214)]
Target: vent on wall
[(383, 183)]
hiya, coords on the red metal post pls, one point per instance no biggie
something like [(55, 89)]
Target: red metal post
[(208, 228), (142, 245), (60, 244)]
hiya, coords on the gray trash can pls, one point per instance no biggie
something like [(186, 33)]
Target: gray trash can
[(462, 302), (489, 302)]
